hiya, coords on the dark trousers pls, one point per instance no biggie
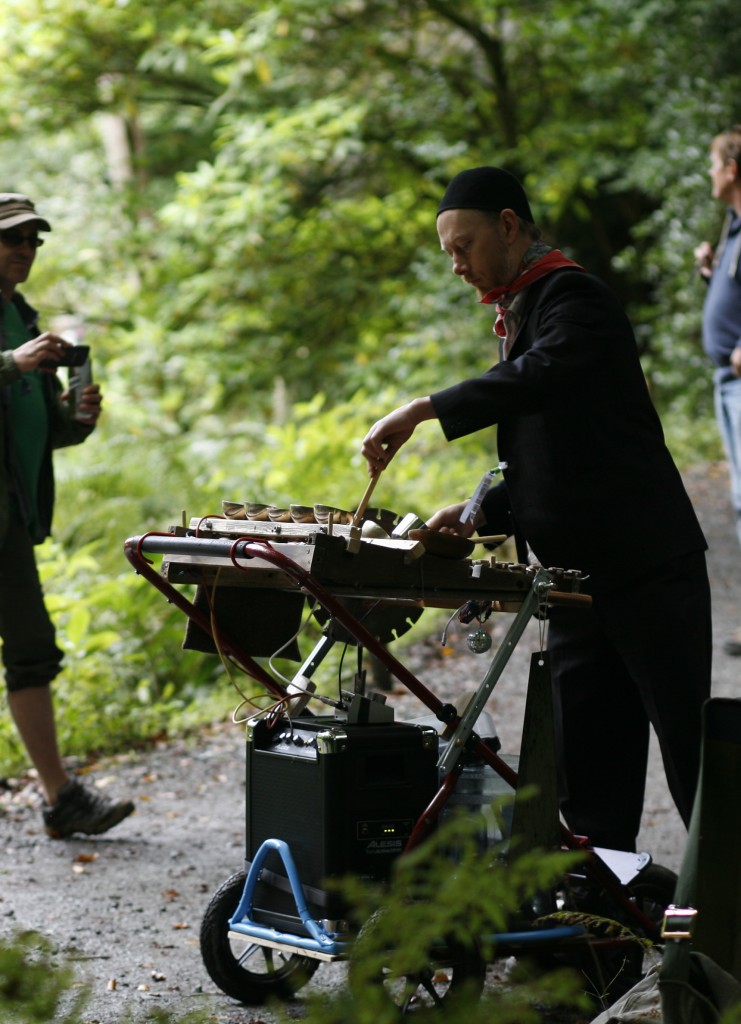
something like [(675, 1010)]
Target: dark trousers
[(640, 656), (30, 654)]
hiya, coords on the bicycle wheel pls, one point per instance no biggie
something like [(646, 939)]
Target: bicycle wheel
[(451, 974), (243, 970)]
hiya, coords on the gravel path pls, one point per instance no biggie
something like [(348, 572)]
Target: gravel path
[(125, 909)]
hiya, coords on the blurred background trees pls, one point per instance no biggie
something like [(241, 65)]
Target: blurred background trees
[(243, 199)]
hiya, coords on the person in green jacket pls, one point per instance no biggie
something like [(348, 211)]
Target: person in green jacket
[(35, 418)]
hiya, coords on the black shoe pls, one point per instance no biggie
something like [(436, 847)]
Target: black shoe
[(733, 647), (78, 809)]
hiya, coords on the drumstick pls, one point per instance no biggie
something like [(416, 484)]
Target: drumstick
[(360, 511)]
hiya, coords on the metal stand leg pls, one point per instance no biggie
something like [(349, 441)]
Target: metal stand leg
[(465, 727)]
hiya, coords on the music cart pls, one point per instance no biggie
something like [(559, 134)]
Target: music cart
[(348, 792)]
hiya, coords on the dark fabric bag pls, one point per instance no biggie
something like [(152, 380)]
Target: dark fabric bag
[(699, 977)]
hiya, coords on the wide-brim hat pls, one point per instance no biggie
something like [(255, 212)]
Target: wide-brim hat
[(16, 209)]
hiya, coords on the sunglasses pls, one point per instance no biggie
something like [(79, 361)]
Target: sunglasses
[(14, 239)]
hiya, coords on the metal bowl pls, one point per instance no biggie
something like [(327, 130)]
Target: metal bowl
[(340, 516), (278, 515), (302, 513), (233, 509), (256, 511)]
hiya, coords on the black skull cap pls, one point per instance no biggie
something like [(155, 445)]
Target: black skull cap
[(486, 188)]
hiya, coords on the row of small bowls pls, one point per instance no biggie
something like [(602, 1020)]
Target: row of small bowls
[(257, 512)]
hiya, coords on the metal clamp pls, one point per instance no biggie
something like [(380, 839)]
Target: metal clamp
[(678, 923)]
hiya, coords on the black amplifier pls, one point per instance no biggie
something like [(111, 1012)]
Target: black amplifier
[(343, 797)]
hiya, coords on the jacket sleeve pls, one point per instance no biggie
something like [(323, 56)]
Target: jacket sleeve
[(571, 345), (64, 430), (9, 371)]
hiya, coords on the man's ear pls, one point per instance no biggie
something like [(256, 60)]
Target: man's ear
[(511, 223)]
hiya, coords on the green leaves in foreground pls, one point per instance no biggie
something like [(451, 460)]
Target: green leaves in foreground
[(38, 987), (32, 982), (448, 889)]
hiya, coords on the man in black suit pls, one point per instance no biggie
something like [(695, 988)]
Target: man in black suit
[(588, 484)]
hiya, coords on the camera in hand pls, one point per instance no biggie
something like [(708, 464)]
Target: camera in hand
[(75, 355)]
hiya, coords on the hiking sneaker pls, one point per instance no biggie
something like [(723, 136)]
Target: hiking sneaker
[(78, 809)]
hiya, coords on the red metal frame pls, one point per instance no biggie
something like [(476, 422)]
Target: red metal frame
[(247, 548)]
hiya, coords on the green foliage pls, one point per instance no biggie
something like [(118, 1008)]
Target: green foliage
[(445, 901), (125, 680), (36, 987), (243, 202), (448, 888), (429, 896), (32, 982), (732, 1016)]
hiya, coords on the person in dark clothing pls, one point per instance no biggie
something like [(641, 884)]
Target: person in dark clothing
[(721, 323), (35, 418), (588, 484)]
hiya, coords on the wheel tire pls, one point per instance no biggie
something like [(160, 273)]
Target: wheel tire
[(243, 970), (452, 973), (653, 890), (611, 972)]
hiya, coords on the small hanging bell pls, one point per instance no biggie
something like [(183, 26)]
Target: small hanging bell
[(478, 642)]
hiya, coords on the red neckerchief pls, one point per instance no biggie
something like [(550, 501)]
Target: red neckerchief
[(502, 296)]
